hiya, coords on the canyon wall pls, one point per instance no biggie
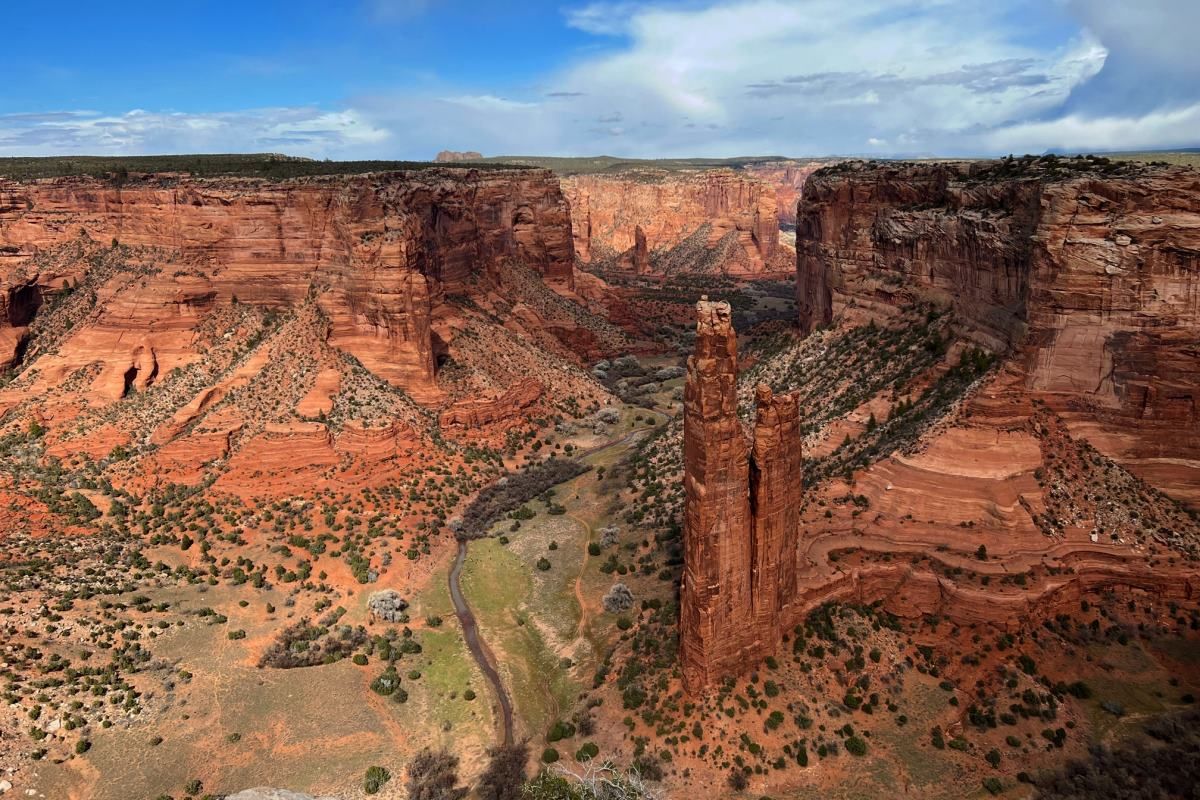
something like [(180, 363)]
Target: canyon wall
[(653, 220), (788, 179), (1088, 272), (741, 511), (375, 250)]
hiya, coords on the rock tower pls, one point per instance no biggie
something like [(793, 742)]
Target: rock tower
[(741, 512)]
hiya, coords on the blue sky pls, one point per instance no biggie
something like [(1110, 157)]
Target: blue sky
[(405, 78)]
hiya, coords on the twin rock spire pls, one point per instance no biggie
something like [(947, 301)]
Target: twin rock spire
[(741, 511)]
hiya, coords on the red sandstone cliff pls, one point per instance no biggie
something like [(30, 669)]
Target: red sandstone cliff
[(788, 179), (375, 251), (486, 410), (652, 220), (1089, 273), (453, 156)]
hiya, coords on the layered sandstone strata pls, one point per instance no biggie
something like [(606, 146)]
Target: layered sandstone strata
[(1088, 272), (376, 250), (486, 410), (652, 220), (454, 156), (788, 179), (999, 517), (741, 512)]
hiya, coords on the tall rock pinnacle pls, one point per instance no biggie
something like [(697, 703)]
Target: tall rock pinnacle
[(740, 515), (715, 600), (776, 489)]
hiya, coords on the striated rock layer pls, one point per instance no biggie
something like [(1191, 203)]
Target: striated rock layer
[(376, 250), (788, 179), (657, 221), (999, 517), (741, 511), (484, 411), (1089, 273)]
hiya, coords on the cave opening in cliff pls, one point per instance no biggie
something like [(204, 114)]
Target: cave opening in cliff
[(26, 300), (130, 376)]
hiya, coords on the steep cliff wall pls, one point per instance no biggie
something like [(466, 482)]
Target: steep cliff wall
[(1089, 273), (711, 221), (788, 179), (375, 250)]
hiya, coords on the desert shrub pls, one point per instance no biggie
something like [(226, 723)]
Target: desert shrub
[(609, 535), (560, 730), (307, 645), (504, 777), (386, 683), (375, 778), (1164, 765), (433, 775), (618, 598)]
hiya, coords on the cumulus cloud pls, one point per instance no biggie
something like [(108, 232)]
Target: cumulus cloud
[(821, 76), (1152, 61)]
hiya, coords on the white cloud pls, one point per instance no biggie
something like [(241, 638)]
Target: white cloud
[(815, 76), (736, 77), (1158, 129), (488, 102), (302, 131)]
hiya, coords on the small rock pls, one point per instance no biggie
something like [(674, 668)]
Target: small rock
[(1122, 240), (5, 786)]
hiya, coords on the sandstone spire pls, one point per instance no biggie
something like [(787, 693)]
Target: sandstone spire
[(741, 514), (775, 494), (715, 597)]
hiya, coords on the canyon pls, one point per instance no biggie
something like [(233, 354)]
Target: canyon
[(376, 251), (1091, 278), (657, 222), (788, 178), (1083, 285), (234, 408)]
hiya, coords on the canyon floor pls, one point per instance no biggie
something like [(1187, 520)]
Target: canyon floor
[(233, 495), (862, 703)]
